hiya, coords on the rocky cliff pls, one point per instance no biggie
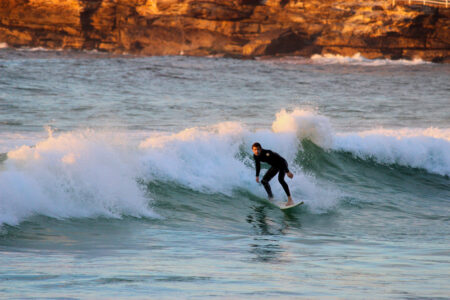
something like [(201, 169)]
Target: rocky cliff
[(242, 28)]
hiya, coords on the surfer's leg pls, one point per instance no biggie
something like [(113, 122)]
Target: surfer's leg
[(283, 183), (267, 177), (285, 187)]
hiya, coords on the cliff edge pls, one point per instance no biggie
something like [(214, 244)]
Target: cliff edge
[(241, 28)]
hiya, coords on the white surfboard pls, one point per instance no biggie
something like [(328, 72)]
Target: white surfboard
[(285, 207)]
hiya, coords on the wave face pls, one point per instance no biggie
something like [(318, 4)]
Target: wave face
[(88, 174)]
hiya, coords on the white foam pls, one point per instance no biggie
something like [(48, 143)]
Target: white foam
[(305, 124), (39, 49), (358, 59), (418, 148), (77, 174), (12, 140), (432, 132), (336, 59), (200, 158)]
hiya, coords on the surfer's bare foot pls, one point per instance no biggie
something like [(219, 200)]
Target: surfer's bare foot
[(290, 175), (290, 202)]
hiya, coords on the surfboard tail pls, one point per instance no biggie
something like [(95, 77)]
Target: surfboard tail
[(284, 207)]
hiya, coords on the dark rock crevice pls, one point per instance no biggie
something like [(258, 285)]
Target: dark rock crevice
[(90, 7)]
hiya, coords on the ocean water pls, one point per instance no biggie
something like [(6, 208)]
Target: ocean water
[(127, 177)]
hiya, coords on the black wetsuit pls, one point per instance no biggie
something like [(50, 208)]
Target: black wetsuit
[(278, 164)]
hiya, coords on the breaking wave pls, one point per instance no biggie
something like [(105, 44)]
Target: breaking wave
[(87, 174), (76, 174)]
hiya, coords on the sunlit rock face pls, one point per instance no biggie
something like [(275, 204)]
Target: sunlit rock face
[(240, 28)]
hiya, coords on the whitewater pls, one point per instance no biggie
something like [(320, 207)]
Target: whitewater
[(130, 177)]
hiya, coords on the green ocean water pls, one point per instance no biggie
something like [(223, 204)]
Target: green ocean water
[(130, 177)]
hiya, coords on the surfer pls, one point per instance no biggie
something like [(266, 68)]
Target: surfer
[(278, 165)]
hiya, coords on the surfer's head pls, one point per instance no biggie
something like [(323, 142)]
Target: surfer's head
[(256, 148)]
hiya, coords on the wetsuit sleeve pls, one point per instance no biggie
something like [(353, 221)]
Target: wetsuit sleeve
[(285, 166), (257, 165)]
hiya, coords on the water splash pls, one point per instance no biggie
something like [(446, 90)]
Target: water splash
[(76, 174)]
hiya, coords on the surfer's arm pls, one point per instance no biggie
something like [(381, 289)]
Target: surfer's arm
[(257, 166), (285, 166)]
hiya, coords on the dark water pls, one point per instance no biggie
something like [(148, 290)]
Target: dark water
[(125, 177)]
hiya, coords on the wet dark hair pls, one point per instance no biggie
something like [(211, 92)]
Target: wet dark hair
[(257, 145)]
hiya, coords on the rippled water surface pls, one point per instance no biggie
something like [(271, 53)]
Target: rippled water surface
[(132, 177)]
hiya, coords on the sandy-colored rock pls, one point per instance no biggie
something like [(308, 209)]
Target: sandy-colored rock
[(244, 28)]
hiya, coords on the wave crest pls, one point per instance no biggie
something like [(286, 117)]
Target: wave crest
[(90, 174), (306, 125), (427, 149)]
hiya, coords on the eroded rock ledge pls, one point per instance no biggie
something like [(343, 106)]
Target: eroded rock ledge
[(241, 28)]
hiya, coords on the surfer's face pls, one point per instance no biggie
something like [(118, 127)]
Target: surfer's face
[(256, 151)]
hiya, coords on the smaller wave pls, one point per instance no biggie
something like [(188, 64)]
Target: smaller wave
[(331, 59), (427, 149), (39, 49), (358, 59)]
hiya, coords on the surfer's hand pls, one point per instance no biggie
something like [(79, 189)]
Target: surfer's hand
[(290, 175), (257, 179)]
